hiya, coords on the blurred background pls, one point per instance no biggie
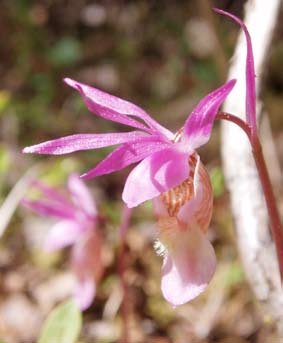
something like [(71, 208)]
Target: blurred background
[(164, 56)]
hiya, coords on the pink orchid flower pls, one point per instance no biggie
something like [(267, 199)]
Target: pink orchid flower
[(77, 228), (169, 171), (163, 155)]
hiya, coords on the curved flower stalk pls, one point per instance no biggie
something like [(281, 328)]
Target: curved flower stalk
[(77, 227), (250, 127)]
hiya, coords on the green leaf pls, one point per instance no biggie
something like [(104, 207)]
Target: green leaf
[(234, 275), (63, 324), (4, 101), (217, 181), (5, 160)]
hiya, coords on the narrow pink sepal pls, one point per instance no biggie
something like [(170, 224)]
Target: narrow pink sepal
[(154, 175), (68, 144), (116, 109), (49, 208), (51, 193), (198, 126), (188, 267), (126, 155), (108, 106), (250, 73), (81, 196)]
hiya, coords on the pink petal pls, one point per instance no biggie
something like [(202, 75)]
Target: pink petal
[(62, 234), (88, 266), (156, 174), (81, 195), (54, 209), (84, 291), (125, 155), (250, 73), (188, 267), (68, 144), (51, 193), (198, 126), (113, 108)]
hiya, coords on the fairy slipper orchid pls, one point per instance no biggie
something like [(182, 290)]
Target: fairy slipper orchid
[(169, 171), (162, 156), (77, 227)]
